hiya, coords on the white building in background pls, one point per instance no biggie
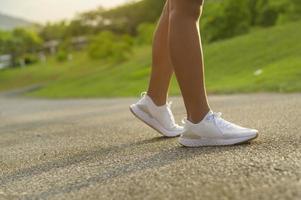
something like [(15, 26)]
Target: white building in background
[(77, 43), (51, 46), (5, 61)]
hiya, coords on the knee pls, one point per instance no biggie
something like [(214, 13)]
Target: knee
[(186, 8)]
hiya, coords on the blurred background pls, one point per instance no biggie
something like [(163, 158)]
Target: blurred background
[(102, 48)]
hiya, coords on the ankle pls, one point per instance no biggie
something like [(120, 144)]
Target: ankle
[(157, 100), (196, 118)]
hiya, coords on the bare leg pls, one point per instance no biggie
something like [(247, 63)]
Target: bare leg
[(186, 56), (162, 69)]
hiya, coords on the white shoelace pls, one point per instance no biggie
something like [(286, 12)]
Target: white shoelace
[(216, 119), (219, 121)]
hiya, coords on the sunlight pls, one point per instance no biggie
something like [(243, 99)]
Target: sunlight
[(48, 10)]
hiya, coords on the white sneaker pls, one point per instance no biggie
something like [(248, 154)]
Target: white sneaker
[(159, 118), (215, 131)]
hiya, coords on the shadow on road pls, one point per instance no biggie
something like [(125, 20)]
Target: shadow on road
[(75, 159), (158, 160)]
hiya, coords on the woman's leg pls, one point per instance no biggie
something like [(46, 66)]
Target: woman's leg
[(162, 69), (186, 56)]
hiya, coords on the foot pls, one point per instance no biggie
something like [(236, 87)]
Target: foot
[(159, 118), (215, 131)]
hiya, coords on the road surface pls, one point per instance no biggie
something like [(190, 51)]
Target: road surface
[(95, 149)]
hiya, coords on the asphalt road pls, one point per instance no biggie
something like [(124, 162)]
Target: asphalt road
[(95, 149)]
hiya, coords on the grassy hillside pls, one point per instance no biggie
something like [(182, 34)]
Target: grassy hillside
[(273, 54)]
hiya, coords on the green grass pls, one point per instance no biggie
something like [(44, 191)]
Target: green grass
[(230, 67)]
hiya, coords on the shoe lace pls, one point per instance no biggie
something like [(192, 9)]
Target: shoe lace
[(211, 117), (214, 116), (218, 120)]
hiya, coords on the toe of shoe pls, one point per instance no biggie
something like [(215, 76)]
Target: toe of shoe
[(251, 133), (243, 133)]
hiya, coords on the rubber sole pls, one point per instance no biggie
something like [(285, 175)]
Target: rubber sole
[(214, 142), (151, 122)]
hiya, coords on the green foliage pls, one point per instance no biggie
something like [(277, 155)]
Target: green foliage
[(221, 19), (228, 18), (145, 33), (112, 30), (53, 31), (20, 43), (29, 39), (4, 37), (290, 11), (230, 67), (225, 19), (61, 56), (125, 18), (109, 46), (266, 14), (29, 58)]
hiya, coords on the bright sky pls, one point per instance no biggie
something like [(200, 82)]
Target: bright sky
[(51, 10)]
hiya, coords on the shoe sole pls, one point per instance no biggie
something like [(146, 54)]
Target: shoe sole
[(214, 142), (151, 122)]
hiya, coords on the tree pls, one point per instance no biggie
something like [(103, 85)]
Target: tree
[(145, 33), (109, 46), (124, 19), (225, 19), (4, 37), (53, 31), (291, 10), (21, 42)]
